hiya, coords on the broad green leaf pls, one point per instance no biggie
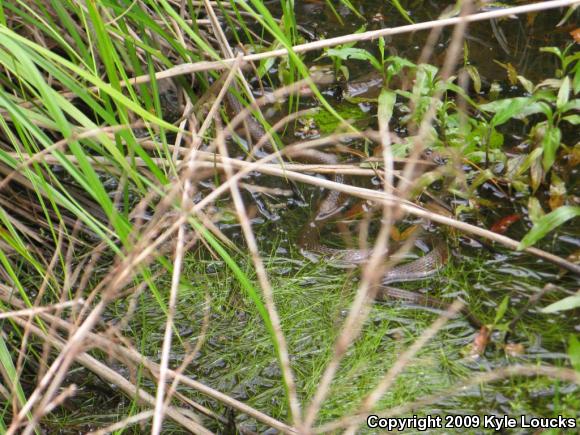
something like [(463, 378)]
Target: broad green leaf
[(265, 66), (344, 71), (535, 210), (515, 166), (501, 310), (535, 107), (574, 352), (481, 178), (553, 50), (460, 91), (400, 62), (550, 144), (548, 223), (572, 119), (568, 303), (495, 139), (550, 84), (576, 81), (527, 84), (506, 109), (424, 80), (382, 47), (346, 53), (475, 77), (536, 171), (386, 104), (563, 93), (520, 164), (571, 105)]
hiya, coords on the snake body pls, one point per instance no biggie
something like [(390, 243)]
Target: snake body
[(331, 206)]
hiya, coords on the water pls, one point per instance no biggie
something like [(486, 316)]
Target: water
[(313, 299)]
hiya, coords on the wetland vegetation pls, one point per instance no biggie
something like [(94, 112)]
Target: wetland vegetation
[(197, 199)]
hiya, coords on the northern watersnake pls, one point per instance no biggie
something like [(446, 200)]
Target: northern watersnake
[(331, 206)]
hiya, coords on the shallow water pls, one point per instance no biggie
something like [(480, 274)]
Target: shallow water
[(314, 299), (483, 275)]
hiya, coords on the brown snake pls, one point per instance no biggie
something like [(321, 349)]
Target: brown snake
[(330, 206)]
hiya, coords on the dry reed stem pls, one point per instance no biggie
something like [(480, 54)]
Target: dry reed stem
[(437, 325), (111, 376), (92, 364), (269, 137), (373, 271), (41, 155), (282, 348), (371, 195), (385, 201), (190, 68), (378, 197), (55, 373), (125, 423), (131, 354), (264, 166), (166, 346), (65, 394), (37, 300), (26, 312), (366, 292), (449, 63), (187, 194), (117, 278), (341, 169), (58, 368), (189, 358), (280, 344)]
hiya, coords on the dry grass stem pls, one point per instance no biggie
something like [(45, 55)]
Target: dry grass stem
[(37, 310), (110, 376), (137, 358), (282, 348), (124, 424)]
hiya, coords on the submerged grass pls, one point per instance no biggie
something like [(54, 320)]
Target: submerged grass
[(238, 357), (313, 300)]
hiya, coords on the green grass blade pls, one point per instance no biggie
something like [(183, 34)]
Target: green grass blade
[(548, 223)]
